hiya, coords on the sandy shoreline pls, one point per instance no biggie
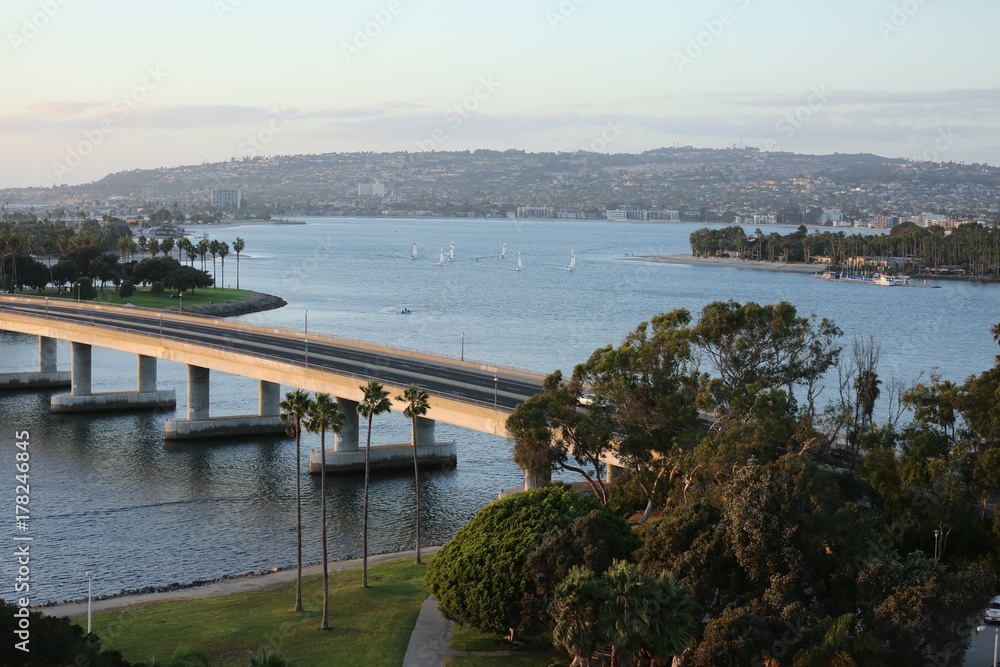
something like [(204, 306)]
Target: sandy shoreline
[(241, 584), (729, 262)]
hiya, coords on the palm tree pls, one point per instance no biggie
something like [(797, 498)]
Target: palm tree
[(167, 245), (238, 248), (124, 245), (223, 251), (324, 414), (417, 405), (293, 410), (143, 244), (202, 249), (375, 402), (213, 248), (155, 247)]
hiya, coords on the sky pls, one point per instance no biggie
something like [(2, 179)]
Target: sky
[(95, 87)]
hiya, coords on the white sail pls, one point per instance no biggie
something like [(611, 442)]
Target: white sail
[(451, 252), (503, 252), (413, 253), (572, 260), (518, 266), (441, 258)]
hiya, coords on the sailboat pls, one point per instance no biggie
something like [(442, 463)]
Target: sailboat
[(518, 266), (441, 258), (503, 252), (413, 253), (572, 260), (451, 252)]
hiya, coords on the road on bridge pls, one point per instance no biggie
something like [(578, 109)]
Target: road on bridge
[(461, 381)]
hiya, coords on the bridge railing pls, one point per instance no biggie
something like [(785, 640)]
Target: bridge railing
[(261, 355), (410, 351)]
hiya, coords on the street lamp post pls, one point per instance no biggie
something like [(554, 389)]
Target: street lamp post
[(181, 296), (161, 324), (937, 541), (463, 346), (496, 385), (87, 573), (46, 307)]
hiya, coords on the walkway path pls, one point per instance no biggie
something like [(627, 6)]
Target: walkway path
[(429, 643), (237, 585)]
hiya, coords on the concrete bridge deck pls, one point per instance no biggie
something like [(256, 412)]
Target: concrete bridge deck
[(468, 394)]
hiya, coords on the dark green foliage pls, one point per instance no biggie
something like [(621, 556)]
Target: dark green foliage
[(187, 278), (479, 577), (157, 289), (126, 289), (53, 641), (593, 541), (154, 269), (84, 289), (919, 608), (690, 542)]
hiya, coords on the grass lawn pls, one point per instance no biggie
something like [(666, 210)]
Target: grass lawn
[(143, 298), (465, 638), (367, 626), (504, 660)]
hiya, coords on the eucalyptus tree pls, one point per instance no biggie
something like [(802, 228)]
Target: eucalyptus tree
[(375, 401), (323, 414), (417, 404), (294, 409)]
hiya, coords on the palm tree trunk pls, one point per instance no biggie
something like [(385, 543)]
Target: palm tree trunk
[(323, 624), (298, 520), (416, 480), (364, 520)]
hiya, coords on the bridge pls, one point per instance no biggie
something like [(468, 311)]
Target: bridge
[(471, 395)]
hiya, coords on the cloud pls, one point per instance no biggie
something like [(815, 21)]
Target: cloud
[(878, 98)]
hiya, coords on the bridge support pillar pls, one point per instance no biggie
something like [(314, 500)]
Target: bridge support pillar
[(611, 472), (269, 395), (82, 399), (47, 376), (145, 374), (198, 395), (200, 426), (347, 440), (47, 355), (81, 369), (424, 432)]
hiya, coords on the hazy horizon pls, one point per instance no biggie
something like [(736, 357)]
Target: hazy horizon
[(110, 86)]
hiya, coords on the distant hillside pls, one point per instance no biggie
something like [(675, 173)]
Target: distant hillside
[(495, 182)]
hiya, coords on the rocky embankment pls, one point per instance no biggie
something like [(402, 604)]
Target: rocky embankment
[(255, 304)]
